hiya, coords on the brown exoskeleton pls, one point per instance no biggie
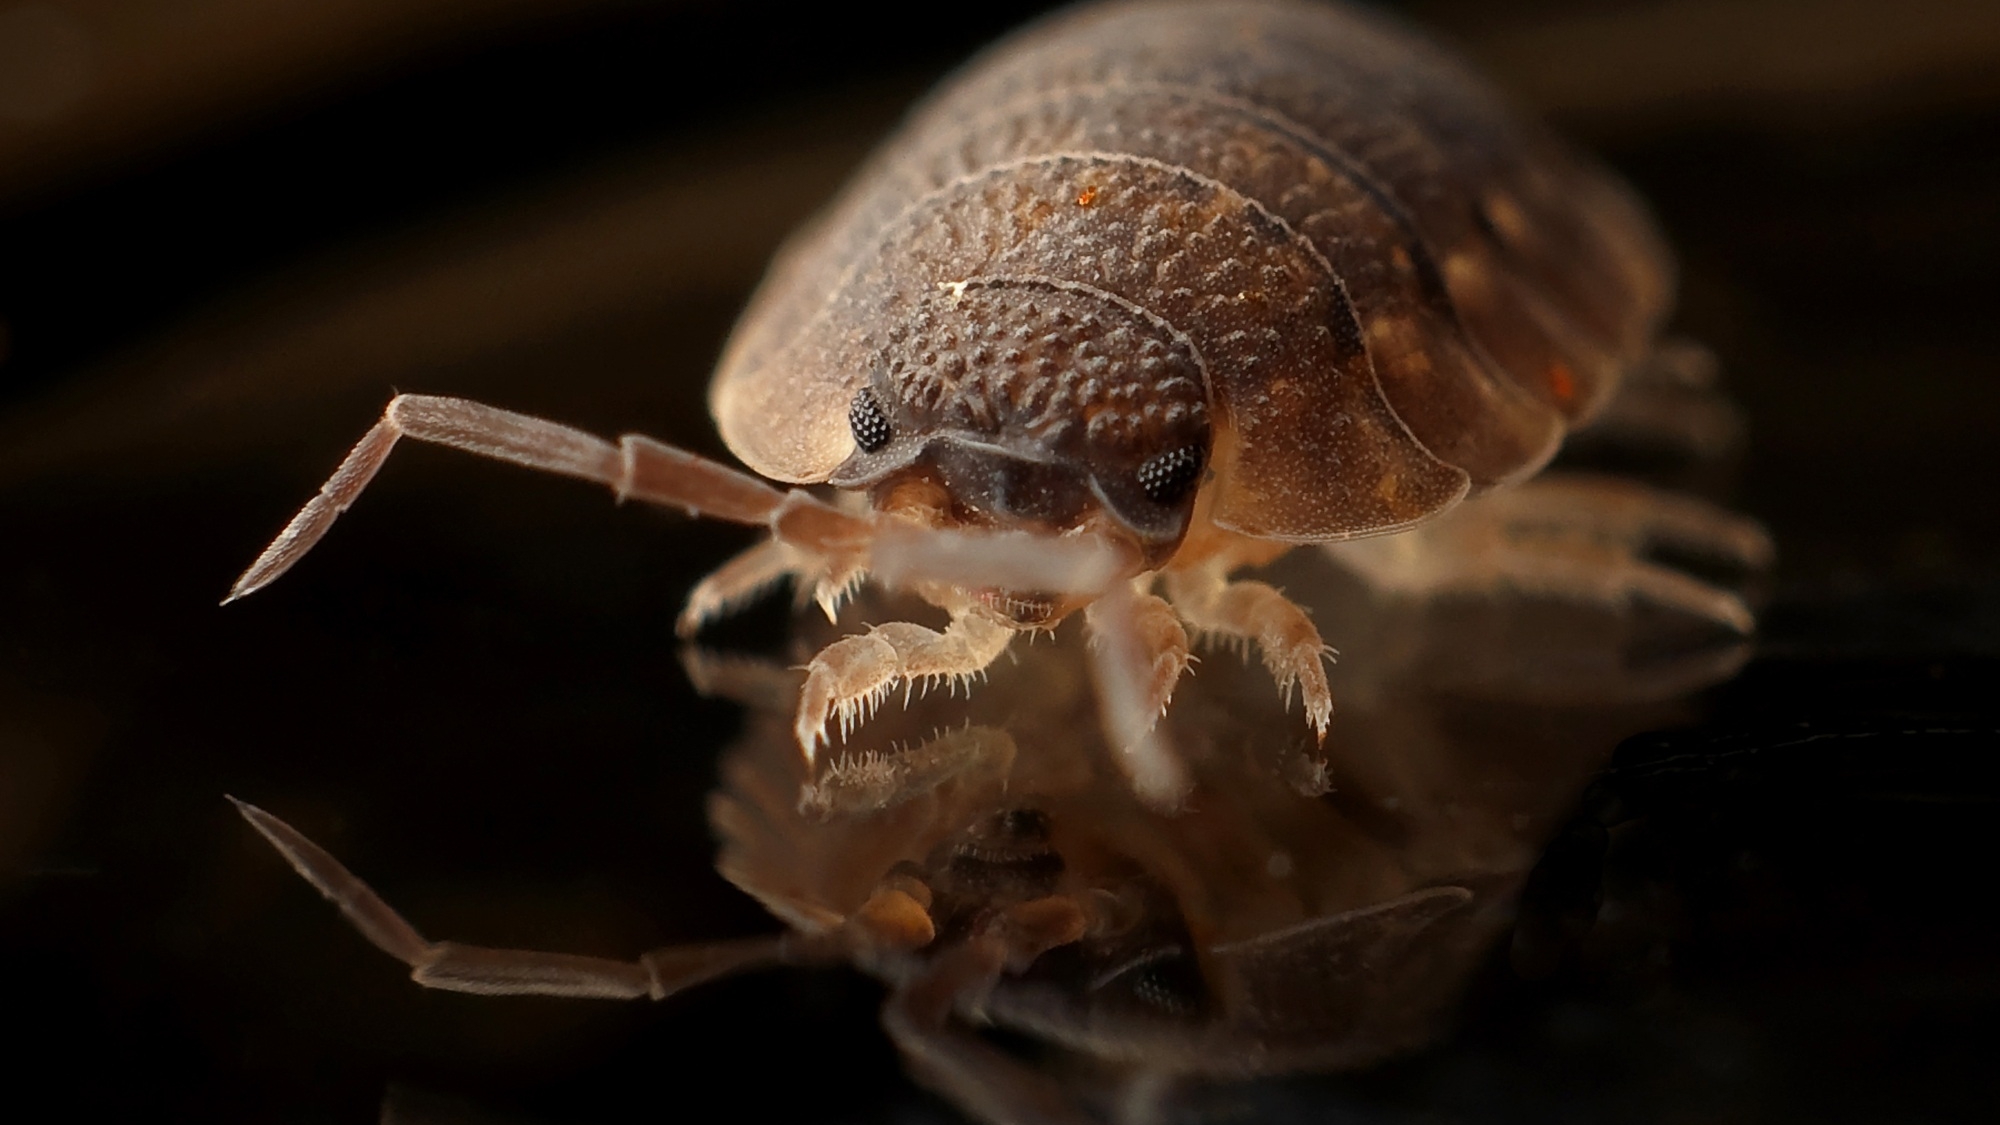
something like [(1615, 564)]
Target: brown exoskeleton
[(1148, 294), (1003, 871)]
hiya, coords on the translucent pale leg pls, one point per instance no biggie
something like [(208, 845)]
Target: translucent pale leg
[(521, 972), (756, 683), (742, 579), (1253, 611), (1572, 537), (852, 676), (1138, 653), (871, 781), (1074, 563)]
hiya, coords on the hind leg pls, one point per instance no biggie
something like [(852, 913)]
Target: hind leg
[(1571, 537)]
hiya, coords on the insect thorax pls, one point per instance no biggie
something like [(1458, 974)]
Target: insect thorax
[(1035, 403)]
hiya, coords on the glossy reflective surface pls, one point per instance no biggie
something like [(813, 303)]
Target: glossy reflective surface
[(470, 695)]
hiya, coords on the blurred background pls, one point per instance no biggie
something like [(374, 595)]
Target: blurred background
[(229, 229)]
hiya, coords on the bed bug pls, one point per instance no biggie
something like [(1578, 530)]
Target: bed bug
[(1001, 870), (1148, 294)]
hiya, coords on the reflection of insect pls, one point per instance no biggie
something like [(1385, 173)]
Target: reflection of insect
[(1152, 291), (1004, 871)]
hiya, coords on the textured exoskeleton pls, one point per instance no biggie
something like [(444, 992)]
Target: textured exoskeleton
[(1147, 294)]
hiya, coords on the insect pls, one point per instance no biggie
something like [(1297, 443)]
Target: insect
[(1002, 870), (1147, 295)]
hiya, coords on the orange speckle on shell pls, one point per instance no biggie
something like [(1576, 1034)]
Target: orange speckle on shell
[(1562, 382), (1087, 196)]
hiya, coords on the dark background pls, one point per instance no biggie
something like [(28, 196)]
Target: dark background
[(228, 228)]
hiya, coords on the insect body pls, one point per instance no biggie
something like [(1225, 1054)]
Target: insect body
[(1148, 294)]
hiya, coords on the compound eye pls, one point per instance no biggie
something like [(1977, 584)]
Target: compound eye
[(1168, 478), (870, 425)]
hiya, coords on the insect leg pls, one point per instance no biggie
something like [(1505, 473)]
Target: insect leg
[(1290, 645), (858, 784), (1138, 653), (1575, 538), (737, 581), (516, 972), (852, 676), (636, 467), (1016, 560), (761, 685)]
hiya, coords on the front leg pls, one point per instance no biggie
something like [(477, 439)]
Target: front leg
[(852, 676), (1253, 611), (636, 467)]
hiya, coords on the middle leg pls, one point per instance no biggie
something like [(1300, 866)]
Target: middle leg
[(1253, 611), (1138, 653)]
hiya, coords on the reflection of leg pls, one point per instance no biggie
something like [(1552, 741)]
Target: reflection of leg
[(755, 683), (979, 1077), (514, 972), (1253, 611), (1572, 537), (852, 676), (870, 781), (1138, 652)]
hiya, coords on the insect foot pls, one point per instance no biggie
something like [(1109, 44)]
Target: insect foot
[(851, 677), (1248, 611)]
